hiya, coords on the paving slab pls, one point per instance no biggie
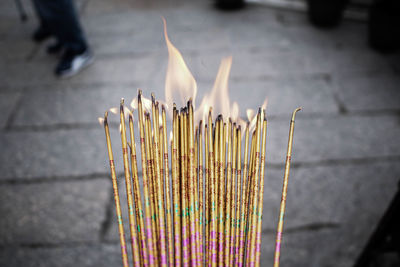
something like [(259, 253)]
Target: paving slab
[(53, 212), (55, 154), (370, 91), (332, 196), (315, 248), (334, 138), (102, 255), (122, 69), (7, 105), (17, 50), (70, 106)]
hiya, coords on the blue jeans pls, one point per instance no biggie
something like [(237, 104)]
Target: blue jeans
[(60, 18)]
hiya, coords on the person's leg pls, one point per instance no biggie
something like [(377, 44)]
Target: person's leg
[(61, 18), (43, 31), (64, 22)]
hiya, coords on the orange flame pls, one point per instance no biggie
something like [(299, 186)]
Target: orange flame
[(180, 85), (218, 98), (179, 81)]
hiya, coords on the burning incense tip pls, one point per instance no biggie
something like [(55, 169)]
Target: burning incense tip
[(113, 110)]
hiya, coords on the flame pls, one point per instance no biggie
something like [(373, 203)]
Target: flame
[(146, 103), (114, 110), (180, 85), (179, 81), (101, 120)]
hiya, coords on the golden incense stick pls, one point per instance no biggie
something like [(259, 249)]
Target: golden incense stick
[(244, 201), (201, 190), (176, 190), (232, 221), (159, 189), (128, 184), (240, 184), (149, 230), (284, 191), (228, 197), (137, 196), (261, 194), (116, 194), (213, 206), (167, 191)]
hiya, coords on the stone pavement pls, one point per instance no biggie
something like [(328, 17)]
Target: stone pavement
[(56, 201)]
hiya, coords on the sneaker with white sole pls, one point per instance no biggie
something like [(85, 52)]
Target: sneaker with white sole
[(72, 62)]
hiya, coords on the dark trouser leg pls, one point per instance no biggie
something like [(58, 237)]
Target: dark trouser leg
[(41, 13), (61, 18)]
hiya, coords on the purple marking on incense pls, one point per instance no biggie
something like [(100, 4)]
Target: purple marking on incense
[(221, 242), (258, 245), (163, 255), (150, 241), (237, 249), (231, 250), (144, 253), (177, 251), (278, 247)]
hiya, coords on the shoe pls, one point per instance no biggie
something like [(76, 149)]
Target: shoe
[(41, 34), (54, 48), (72, 62)]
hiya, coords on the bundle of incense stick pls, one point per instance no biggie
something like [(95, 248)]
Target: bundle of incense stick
[(198, 207)]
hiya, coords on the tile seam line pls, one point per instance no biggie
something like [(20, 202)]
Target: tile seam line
[(280, 117), (275, 166)]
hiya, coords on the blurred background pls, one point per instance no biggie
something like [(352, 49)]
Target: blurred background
[(56, 202)]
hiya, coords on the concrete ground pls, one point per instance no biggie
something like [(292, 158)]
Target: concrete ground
[(56, 203)]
